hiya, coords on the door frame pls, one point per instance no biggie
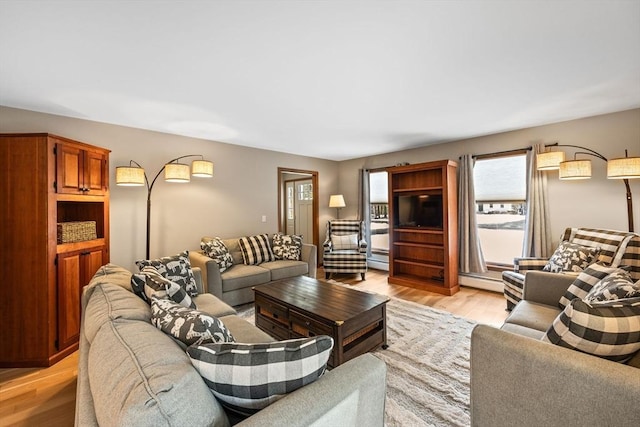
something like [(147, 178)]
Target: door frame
[(316, 204)]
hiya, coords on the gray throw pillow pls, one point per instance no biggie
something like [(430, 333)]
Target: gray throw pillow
[(617, 285), (585, 281), (571, 257), (287, 246), (218, 252), (149, 283)]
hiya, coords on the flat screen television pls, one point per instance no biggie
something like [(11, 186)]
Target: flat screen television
[(418, 211)]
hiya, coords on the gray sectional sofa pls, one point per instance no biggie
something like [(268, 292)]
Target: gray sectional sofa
[(516, 379), (234, 285), (132, 374)]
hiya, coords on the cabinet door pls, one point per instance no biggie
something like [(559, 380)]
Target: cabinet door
[(75, 270), (69, 169), (95, 176)]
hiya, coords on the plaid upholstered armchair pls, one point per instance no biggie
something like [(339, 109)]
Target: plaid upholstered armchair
[(616, 248), (345, 249)]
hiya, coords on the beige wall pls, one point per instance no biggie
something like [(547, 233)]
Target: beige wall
[(244, 186), (598, 202)]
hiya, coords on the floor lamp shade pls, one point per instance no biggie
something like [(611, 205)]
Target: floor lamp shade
[(177, 172), (623, 168), (550, 160), (202, 168), (129, 176), (575, 169)]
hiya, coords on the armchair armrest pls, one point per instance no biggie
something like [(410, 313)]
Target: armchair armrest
[(309, 254), (546, 288), (522, 264), (327, 246), (353, 394), (516, 380), (362, 246), (211, 280)]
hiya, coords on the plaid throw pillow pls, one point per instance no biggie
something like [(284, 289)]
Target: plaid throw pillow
[(609, 329), (344, 242), (187, 325), (151, 284), (248, 377), (256, 249), (571, 257), (218, 252), (176, 268), (617, 285), (585, 281), (287, 246)]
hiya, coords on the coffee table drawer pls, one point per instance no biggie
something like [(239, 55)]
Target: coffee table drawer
[(272, 310), (272, 328), (308, 327)]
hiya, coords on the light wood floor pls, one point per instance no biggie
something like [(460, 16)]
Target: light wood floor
[(46, 396)]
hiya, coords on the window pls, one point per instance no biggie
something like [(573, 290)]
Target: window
[(500, 187), (305, 192), (379, 210), (290, 208)]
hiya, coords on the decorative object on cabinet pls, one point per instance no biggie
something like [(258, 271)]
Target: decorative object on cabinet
[(337, 201), (623, 168), (423, 211), (174, 171), (49, 184)]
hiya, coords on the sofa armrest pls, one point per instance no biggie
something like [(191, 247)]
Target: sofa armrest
[(522, 264), (517, 380), (211, 280), (353, 394), (546, 288), (309, 254)]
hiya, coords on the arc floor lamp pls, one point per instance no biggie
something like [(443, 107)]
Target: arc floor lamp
[(623, 168), (134, 175)]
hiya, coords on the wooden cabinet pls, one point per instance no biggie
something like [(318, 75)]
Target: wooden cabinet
[(47, 179), (423, 232)]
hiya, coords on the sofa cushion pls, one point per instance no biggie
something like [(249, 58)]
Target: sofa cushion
[(212, 305), (533, 315), (571, 257), (585, 282), (256, 249), (287, 246), (187, 325), (615, 286), (609, 329), (138, 376), (522, 330), (176, 268), (283, 269), (244, 331), (249, 377), (218, 252), (242, 276), (113, 274), (150, 283)]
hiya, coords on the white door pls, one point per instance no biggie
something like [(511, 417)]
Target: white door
[(304, 210)]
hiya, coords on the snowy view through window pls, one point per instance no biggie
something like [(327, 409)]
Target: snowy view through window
[(500, 189)]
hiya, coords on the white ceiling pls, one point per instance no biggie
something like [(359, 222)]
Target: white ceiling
[(328, 79)]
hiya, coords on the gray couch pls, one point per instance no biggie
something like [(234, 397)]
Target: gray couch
[(516, 379), (132, 374), (234, 285)]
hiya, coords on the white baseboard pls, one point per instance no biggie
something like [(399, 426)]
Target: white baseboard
[(378, 265), (481, 283)]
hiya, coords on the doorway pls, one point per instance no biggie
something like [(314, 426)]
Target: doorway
[(298, 204)]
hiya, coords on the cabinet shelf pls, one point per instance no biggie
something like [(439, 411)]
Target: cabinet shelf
[(419, 263), (426, 230), (78, 246), (417, 189), (419, 245)]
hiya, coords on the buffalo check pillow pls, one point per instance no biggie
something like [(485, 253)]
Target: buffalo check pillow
[(176, 268), (585, 281), (256, 249), (248, 377), (608, 329), (187, 325), (150, 283)]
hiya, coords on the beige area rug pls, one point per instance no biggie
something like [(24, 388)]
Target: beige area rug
[(427, 365)]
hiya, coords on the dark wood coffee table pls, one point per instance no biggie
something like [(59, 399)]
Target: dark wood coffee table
[(304, 307)]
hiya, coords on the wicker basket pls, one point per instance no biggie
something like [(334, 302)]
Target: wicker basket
[(77, 231)]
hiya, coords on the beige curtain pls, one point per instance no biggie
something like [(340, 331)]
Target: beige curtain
[(470, 252), (537, 236)]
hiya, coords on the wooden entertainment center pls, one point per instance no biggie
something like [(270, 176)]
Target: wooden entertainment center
[(423, 230)]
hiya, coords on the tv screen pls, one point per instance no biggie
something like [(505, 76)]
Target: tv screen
[(419, 210)]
